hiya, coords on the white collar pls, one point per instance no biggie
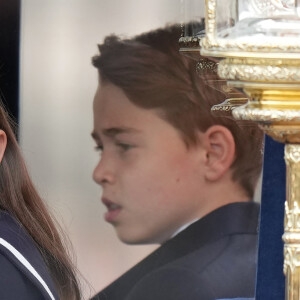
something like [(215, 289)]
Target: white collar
[(183, 227)]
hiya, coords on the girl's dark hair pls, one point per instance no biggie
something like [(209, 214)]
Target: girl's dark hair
[(154, 75), (19, 198)]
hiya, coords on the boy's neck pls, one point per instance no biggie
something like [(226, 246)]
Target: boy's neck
[(224, 192)]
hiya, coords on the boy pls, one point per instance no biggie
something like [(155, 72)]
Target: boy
[(173, 174)]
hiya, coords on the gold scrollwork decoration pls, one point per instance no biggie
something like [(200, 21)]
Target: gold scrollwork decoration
[(292, 217), (259, 73), (262, 61), (189, 41), (209, 41), (229, 104), (222, 108), (265, 115), (211, 17), (292, 156), (291, 259), (233, 46)]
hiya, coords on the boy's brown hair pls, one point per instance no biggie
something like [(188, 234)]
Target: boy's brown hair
[(154, 75)]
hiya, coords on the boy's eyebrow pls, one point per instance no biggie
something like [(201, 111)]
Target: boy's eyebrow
[(95, 136), (112, 132)]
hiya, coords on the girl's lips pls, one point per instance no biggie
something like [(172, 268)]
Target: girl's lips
[(113, 210)]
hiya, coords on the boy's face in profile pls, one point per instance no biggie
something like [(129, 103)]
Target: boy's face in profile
[(152, 184)]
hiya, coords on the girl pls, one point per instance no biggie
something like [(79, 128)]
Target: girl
[(34, 262)]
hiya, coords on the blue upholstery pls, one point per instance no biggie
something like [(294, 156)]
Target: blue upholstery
[(270, 279)]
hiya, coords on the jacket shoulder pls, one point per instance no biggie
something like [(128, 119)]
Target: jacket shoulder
[(23, 261), (14, 285), (205, 274)]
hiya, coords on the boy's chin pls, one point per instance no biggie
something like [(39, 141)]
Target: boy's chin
[(135, 239)]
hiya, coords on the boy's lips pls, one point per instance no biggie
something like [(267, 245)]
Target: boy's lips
[(113, 210)]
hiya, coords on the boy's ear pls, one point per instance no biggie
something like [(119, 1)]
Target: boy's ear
[(220, 151), (3, 142)]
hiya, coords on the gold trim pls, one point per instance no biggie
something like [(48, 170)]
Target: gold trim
[(292, 222), (260, 115), (230, 48), (192, 42), (273, 71), (291, 237), (288, 86), (291, 260), (229, 104)]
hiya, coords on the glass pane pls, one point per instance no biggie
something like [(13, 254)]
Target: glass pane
[(226, 14), (259, 20), (193, 12)]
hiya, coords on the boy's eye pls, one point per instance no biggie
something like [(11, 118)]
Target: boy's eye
[(99, 148), (124, 147)]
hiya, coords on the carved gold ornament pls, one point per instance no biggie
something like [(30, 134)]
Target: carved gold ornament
[(273, 71)]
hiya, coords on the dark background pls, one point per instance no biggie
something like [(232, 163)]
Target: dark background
[(9, 55)]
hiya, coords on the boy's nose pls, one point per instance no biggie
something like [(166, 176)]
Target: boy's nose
[(102, 174)]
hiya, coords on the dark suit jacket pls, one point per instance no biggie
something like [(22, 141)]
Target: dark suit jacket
[(23, 273), (214, 257)]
